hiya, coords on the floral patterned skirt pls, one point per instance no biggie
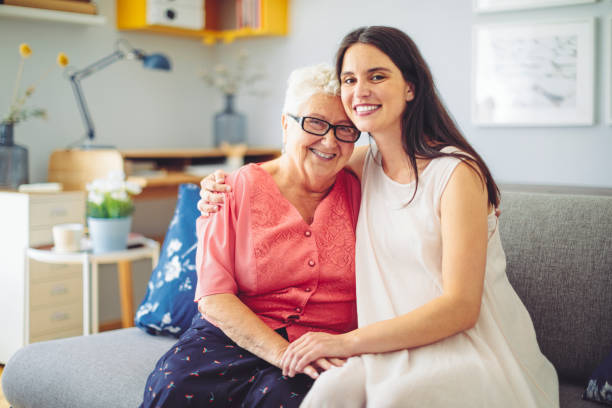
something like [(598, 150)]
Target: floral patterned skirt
[(205, 368)]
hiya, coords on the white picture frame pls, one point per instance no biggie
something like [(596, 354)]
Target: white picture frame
[(492, 6), (608, 67), (534, 74)]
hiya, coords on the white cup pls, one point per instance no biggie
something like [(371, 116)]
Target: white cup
[(67, 237)]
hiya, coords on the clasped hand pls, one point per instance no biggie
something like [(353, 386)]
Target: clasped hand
[(314, 349)]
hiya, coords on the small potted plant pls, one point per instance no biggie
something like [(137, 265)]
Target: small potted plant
[(109, 212)]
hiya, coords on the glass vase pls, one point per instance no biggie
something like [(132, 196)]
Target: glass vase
[(230, 126), (13, 159)]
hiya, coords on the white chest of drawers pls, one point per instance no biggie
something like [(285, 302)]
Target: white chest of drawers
[(45, 303)]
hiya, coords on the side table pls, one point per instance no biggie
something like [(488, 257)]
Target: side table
[(142, 249)]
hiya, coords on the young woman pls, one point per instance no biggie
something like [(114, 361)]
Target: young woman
[(439, 323)]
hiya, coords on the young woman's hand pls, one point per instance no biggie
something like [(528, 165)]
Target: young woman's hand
[(311, 349), (211, 194)]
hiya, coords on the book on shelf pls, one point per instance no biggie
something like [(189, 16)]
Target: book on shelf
[(73, 6), (248, 13)]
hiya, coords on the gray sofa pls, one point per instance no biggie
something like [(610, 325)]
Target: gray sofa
[(559, 255)]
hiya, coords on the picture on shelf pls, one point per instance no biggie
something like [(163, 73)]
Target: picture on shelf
[(490, 6), (533, 74)]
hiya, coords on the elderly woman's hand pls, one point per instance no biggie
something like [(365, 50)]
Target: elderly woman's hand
[(211, 193), (313, 348)]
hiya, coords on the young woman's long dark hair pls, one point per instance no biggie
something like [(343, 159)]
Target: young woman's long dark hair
[(426, 125)]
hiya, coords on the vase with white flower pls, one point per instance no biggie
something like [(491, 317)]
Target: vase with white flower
[(109, 212), (14, 158), (230, 125)]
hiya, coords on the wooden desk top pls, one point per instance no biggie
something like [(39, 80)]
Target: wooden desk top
[(192, 153)]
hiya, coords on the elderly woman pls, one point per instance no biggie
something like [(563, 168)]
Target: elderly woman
[(272, 263)]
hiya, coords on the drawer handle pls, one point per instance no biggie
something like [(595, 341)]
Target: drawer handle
[(59, 290), (59, 316), (59, 212)]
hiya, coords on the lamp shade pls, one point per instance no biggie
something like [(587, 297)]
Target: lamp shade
[(156, 61)]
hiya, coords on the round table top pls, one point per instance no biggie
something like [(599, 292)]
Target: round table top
[(138, 248)]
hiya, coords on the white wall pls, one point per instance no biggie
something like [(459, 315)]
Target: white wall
[(136, 108)]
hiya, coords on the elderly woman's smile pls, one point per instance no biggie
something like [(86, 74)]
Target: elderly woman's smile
[(311, 141)]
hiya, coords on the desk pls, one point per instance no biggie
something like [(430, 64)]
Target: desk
[(158, 171), (146, 248)]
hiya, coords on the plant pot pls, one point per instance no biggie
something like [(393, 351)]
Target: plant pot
[(109, 234), (229, 126), (13, 159)]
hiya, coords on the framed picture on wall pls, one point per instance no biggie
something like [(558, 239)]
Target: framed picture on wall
[(608, 69), (533, 74), (490, 6)]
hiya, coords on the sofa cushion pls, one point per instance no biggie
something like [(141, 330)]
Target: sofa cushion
[(599, 387), (168, 305), (109, 369), (559, 260)]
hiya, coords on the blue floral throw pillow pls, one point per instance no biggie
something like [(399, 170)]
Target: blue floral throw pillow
[(599, 388), (168, 305)]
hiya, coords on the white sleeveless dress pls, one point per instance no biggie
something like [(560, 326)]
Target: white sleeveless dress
[(497, 363)]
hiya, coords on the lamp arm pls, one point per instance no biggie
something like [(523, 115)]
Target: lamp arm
[(75, 80)]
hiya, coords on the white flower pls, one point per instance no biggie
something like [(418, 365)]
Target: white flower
[(166, 319), (132, 188), (95, 197), (146, 309), (185, 285), (120, 195), (173, 246), (172, 269), (116, 175)]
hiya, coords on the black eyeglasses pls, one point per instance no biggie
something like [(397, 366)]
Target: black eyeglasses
[(320, 127)]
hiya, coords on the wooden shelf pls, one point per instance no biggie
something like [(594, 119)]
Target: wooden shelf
[(131, 15), (50, 15)]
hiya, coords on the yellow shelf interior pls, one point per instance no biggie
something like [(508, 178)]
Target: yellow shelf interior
[(131, 15)]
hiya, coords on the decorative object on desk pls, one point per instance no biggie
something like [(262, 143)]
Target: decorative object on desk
[(168, 305), (14, 158), (67, 237), (230, 125), (109, 212), (123, 49)]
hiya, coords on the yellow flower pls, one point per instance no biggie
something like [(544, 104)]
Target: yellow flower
[(25, 50), (62, 59)]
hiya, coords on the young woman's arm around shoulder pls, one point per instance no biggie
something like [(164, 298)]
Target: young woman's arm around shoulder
[(464, 210)]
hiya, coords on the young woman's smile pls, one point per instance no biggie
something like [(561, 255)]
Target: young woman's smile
[(374, 92)]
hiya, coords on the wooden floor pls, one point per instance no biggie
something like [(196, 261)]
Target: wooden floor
[(3, 402)]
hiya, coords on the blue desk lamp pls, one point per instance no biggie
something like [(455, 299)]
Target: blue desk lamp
[(123, 49)]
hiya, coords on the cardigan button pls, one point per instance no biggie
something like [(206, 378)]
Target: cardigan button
[(308, 233), (311, 263), (308, 289), (298, 309)]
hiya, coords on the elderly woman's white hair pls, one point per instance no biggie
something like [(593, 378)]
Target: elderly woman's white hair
[(308, 81)]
